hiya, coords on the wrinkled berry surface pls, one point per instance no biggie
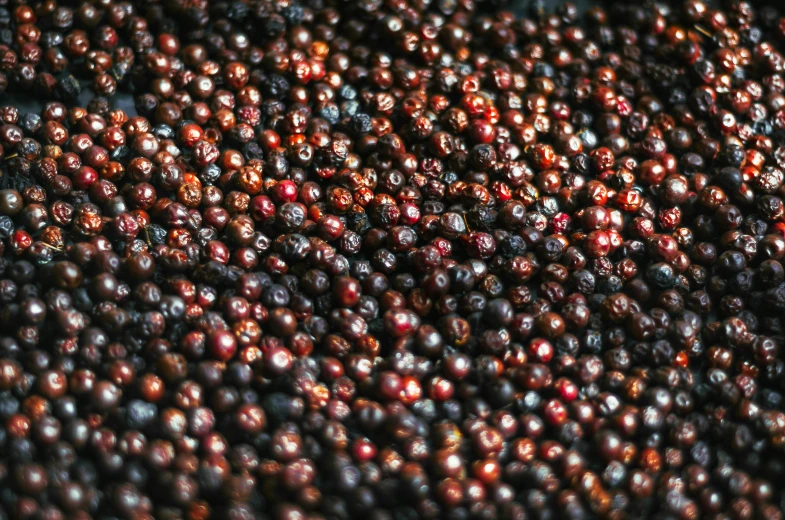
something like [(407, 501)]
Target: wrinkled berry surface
[(392, 260)]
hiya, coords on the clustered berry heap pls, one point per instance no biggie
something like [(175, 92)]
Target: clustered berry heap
[(391, 260)]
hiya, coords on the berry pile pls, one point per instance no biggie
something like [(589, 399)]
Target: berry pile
[(392, 259)]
